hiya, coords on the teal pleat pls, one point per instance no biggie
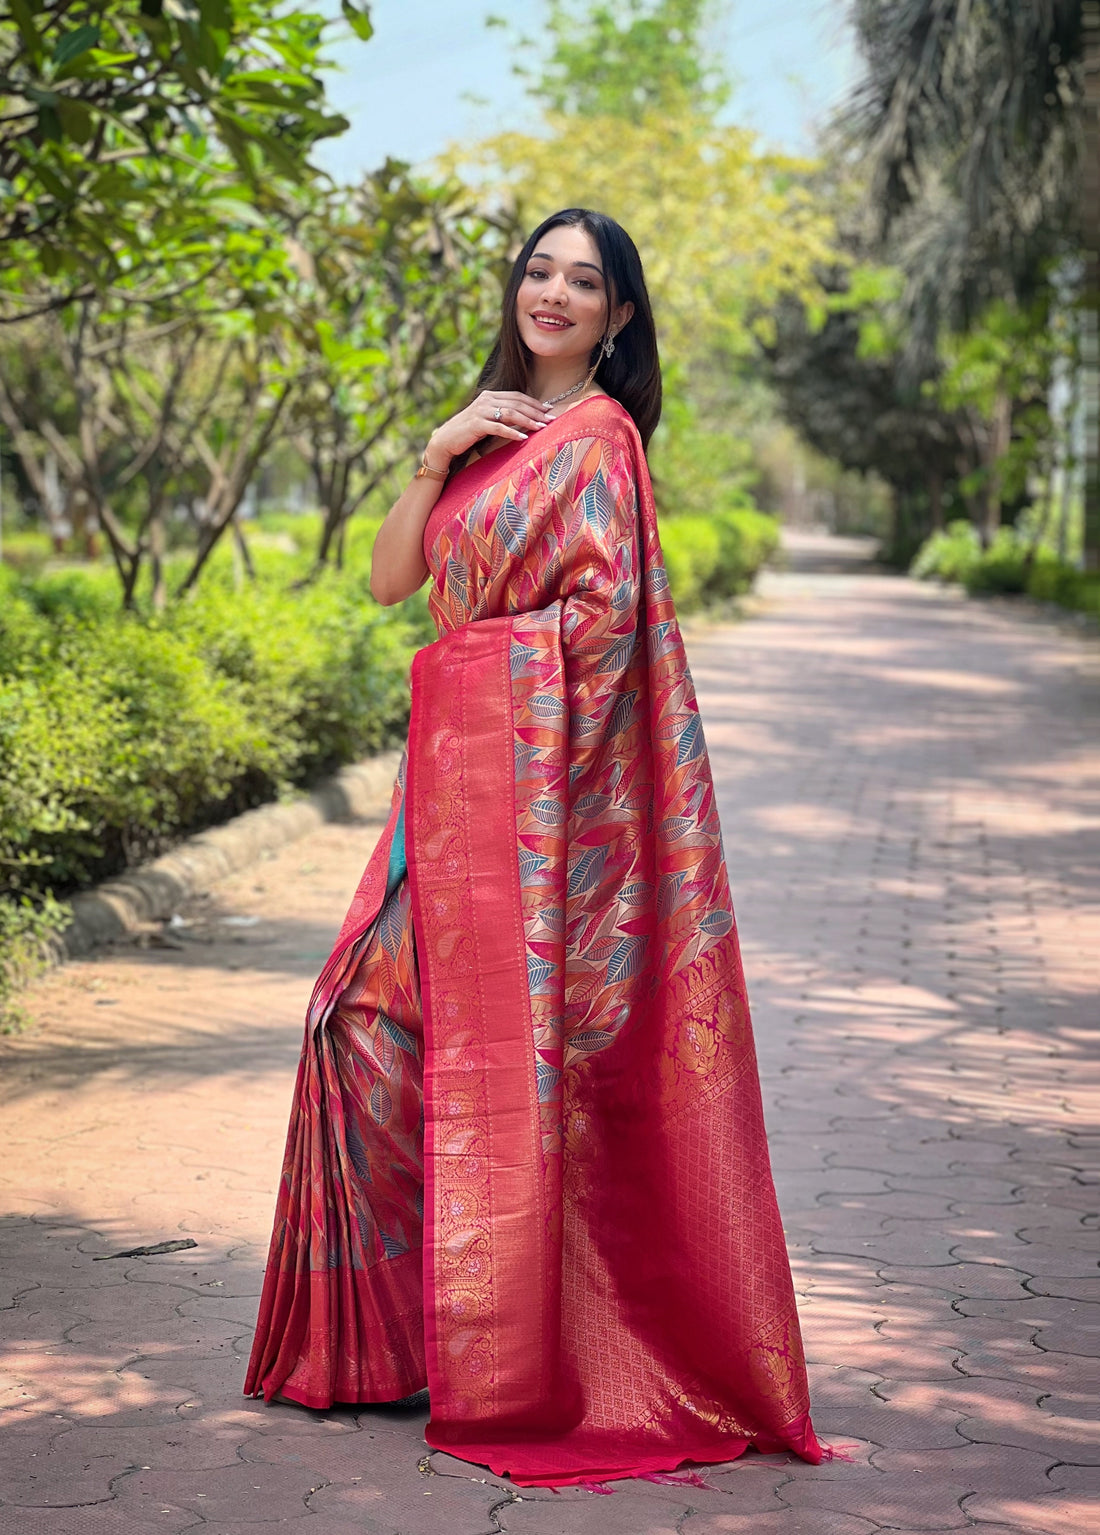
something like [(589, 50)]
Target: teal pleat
[(398, 866)]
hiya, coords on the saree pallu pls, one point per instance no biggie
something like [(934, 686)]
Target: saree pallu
[(526, 1164)]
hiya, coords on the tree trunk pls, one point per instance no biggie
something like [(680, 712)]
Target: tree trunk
[(1042, 521), (1090, 303), (159, 595), (333, 521), (231, 494), (1068, 459), (332, 488), (935, 498), (240, 544), (998, 442)]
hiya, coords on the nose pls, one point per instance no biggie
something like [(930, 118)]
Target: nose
[(555, 288)]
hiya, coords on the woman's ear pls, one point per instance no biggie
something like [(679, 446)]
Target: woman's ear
[(621, 315)]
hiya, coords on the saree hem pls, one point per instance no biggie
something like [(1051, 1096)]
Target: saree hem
[(801, 1442), (357, 1330), (300, 1398)]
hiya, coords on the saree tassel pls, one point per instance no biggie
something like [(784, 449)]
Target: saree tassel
[(677, 1479)]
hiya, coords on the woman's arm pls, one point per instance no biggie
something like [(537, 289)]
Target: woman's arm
[(397, 562)]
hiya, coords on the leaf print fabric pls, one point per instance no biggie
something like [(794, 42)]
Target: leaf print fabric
[(343, 1294)]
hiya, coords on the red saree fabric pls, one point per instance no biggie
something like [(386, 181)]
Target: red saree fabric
[(595, 1284)]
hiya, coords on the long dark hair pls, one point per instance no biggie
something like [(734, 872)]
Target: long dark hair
[(632, 374)]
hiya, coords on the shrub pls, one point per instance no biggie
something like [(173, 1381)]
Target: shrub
[(117, 737), (121, 732), (26, 928), (748, 539), (949, 555), (692, 549), (26, 551), (1051, 581), (1003, 567), (1009, 565), (75, 592), (716, 557)]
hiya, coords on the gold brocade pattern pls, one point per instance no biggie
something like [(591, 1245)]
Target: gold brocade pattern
[(464, 1270)]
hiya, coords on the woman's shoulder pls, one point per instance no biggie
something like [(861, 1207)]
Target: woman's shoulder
[(599, 424), (598, 415)]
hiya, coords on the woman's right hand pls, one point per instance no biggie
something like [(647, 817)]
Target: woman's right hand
[(519, 416)]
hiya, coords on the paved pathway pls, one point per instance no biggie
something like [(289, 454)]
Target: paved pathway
[(905, 784)]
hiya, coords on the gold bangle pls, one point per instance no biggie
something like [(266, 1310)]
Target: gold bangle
[(426, 471)]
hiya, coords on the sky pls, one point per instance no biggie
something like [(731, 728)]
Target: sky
[(407, 91)]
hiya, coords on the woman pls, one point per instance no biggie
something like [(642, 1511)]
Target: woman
[(526, 1164)]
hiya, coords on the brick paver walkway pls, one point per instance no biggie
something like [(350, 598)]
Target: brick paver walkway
[(905, 787)]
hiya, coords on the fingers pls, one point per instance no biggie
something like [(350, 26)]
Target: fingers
[(517, 427), (521, 410)]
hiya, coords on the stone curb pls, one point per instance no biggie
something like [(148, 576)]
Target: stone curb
[(153, 891)]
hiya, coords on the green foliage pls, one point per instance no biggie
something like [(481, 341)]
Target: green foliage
[(27, 550), (973, 128), (949, 555), (1052, 581), (714, 538), (622, 59), (403, 301), (120, 732), (104, 105), (956, 555), (713, 558), (342, 342), (1007, 355), (26, 930), (1003, 566), (1011, 564), (698, 470)]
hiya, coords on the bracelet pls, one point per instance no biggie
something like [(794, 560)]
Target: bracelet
[(426, 471)]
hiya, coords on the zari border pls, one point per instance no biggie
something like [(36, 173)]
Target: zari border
[(486, 1330)]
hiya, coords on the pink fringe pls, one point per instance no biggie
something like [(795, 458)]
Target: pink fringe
[(838, 1452), (676, 1479), (599, 1487)]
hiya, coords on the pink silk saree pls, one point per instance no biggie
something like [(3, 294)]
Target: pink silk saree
[(577, 1247)]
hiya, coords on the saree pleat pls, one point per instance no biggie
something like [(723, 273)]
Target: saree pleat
[(341, 1311), (600, 1285)]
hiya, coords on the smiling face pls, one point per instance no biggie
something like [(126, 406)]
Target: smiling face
[(562, 304)]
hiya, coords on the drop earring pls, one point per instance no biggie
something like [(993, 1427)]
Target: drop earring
[(608, 343)]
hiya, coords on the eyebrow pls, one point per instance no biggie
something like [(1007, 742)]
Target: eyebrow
[(543, 256)]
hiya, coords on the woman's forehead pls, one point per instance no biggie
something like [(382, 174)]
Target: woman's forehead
[(567, 242)]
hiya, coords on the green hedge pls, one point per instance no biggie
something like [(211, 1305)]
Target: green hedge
[(26, 550), (1051, 581), (710, 559), (121, 733), (956, 555)]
